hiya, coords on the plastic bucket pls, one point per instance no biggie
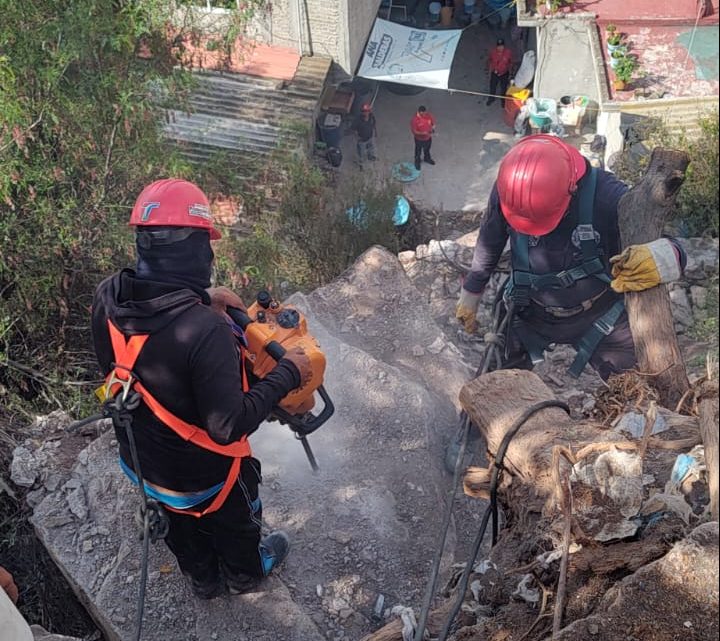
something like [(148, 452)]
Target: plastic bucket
[(434, 11), (541, 110), (513, 103), (469, 7)]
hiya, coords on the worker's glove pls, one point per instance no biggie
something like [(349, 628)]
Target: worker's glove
[(221, 298), (466, 310), (298, 357), (641, 267)]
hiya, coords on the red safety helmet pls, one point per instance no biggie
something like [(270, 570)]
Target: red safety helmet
[(536, 180), (366, 108), (173, 203)]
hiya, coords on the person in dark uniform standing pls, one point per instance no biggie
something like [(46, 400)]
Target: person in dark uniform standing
[(157, 327), (568, 268), (365, 127)]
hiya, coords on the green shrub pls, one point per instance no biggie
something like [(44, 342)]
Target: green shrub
[(697, 207), (79, 139)]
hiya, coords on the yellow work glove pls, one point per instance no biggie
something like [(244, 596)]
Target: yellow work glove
[(641, 267), (466, 310)]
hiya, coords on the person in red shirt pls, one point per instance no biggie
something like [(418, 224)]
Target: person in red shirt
[(499, 64), (423, 127)]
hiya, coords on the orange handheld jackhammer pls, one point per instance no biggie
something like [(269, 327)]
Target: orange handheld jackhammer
[(269, 329)]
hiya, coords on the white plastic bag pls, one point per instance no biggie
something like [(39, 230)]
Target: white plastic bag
[(526, 72)]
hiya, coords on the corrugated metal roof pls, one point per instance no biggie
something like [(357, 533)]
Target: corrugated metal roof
[(247, 115)]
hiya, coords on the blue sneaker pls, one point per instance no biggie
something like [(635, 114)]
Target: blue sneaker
[(274, 549)]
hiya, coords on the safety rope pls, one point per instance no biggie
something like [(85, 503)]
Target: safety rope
[(495, 341), (152, 517), (491, 509)]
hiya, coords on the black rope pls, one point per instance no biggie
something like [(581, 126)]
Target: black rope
[(430, 590), (493, 351), (154, 521), (491, 510)]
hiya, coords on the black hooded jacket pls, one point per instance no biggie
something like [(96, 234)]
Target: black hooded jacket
[(190, 364)]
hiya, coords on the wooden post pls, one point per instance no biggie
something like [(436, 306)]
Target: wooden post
[(709, 425), (642, 215)]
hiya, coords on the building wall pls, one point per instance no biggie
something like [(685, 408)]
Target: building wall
[(334, 28), (360, 16)]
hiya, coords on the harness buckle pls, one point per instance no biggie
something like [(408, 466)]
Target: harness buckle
[(603, 326), (566, 278), (127, 398), (585, 232)]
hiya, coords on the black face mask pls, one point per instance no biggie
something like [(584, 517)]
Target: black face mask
[(187, 262)]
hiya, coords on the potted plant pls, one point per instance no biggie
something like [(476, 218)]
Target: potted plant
[(610, 29), (614, 41), (617, 56), (624, 71)]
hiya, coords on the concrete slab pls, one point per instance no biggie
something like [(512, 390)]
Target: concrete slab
[(566, 66)]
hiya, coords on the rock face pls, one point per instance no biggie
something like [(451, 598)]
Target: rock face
[(364, 525)]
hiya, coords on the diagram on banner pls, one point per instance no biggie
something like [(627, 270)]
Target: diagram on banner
[(405, 55)]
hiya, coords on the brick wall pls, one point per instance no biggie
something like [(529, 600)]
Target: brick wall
[(334, 28)]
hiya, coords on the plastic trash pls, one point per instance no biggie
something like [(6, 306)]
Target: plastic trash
[(357, 214), (527, 594), (543, 111), (526, 71), (688, 465), (633, 423), (409, 622)]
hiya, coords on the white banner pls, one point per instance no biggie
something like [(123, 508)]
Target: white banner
[(409, 56)]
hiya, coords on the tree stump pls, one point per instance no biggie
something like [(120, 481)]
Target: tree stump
[(494, 401), (642, 214), (709, 425)]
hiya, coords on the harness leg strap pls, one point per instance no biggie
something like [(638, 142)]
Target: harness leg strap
[(587, 345)]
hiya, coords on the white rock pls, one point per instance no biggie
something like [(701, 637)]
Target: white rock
[(24, 468), (77, 503)]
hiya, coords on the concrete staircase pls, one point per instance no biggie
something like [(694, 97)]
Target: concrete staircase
[(680, 115), (248, 116)]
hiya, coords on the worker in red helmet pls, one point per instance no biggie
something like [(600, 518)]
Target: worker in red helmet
[(157, 331), (365, 127), (568, 268)]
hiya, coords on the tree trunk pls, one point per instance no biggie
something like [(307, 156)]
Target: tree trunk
[(494, 401), (709, 426), (642, 214)]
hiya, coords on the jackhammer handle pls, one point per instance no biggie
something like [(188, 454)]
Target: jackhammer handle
[(241, 318), (310, 422)]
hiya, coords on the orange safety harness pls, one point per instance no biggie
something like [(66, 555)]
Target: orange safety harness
[(126, 353)]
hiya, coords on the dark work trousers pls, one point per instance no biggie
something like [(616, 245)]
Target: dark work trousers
[(498, 85), (227, 539), (422, 149), (614, 354)]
